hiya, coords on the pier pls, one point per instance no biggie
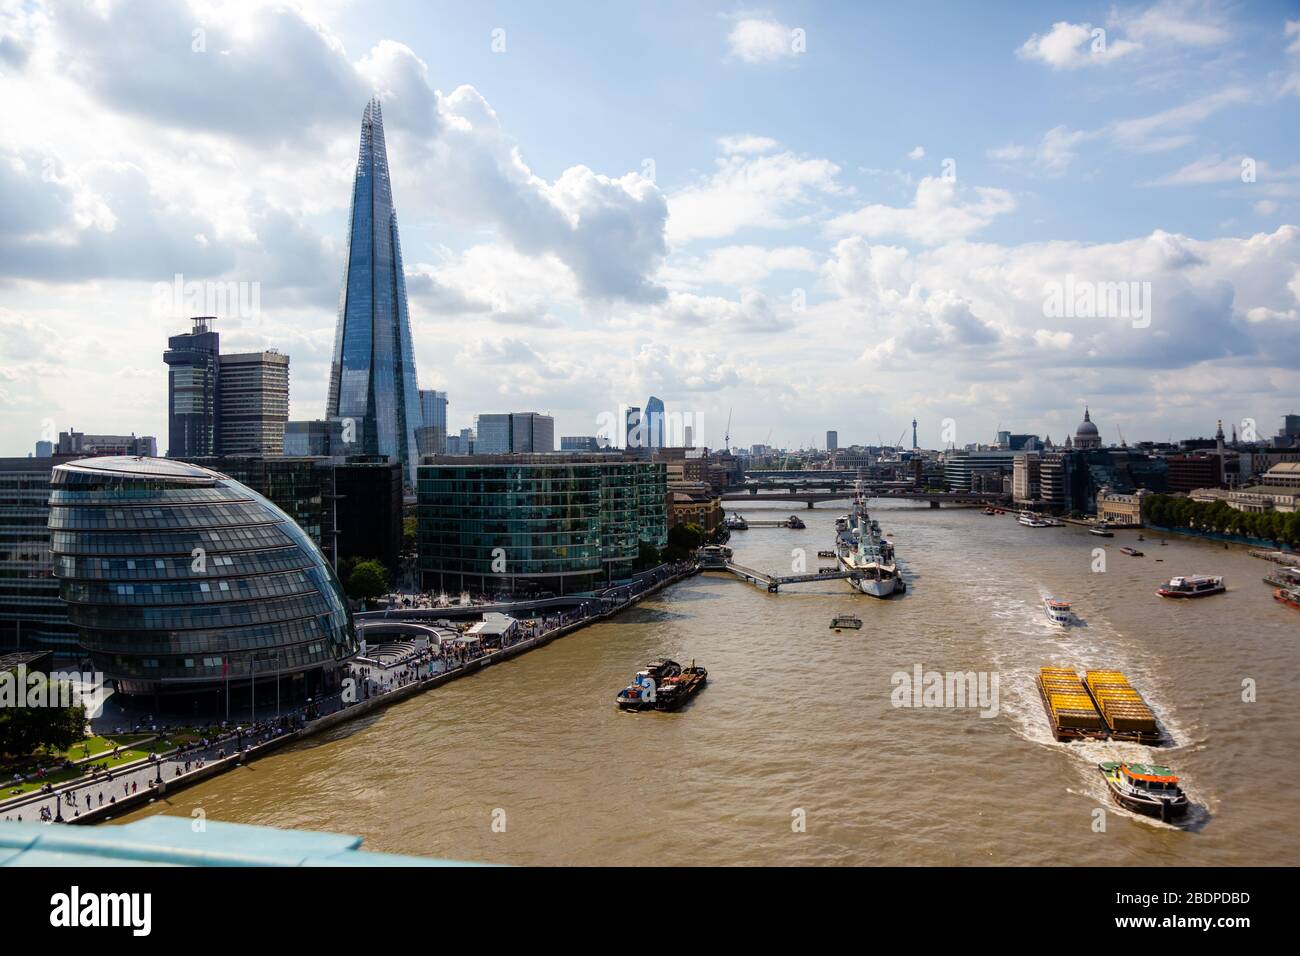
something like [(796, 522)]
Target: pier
[(773, 582)]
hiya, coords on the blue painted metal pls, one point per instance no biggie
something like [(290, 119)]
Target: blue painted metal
[(175, 841)]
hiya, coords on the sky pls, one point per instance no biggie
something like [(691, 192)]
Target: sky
[(797, 217)]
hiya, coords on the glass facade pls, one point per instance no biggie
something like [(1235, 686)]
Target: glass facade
[(372, 379), (32, 614), (566, 526), (179, 578)]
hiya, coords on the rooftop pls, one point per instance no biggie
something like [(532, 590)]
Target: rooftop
[(141, 467)]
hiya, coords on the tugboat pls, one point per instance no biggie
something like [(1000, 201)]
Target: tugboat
[(1058, 612), (1101, 530), (1131, 552), (846, 620), (643, 692), (662, 685), (1145, 789), (1192, 586)]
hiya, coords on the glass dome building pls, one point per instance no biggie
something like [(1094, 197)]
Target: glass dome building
[(181, 580)]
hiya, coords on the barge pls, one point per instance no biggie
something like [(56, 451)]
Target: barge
[(846, 620), (1124, 712), (1070, 709), (662, 685)]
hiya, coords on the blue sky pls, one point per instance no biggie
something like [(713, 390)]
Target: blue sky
[(818, 215)]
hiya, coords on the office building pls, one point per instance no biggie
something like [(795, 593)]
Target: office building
[(182, 581), (518, 433), (633, 430), (313, 439), (372, 386), (367, 510), (655, 424), (32, 613), (79, 445), (579, 443), (532, 522), (832, 441), (44, 449), (254, 403), (192, 405)]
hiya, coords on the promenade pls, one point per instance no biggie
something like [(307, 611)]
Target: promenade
[(377, 684)]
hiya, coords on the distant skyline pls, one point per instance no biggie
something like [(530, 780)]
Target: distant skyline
[(808, 216)]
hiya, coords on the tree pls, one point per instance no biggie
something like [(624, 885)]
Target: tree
[(368, 580), (682, 540), (24, 730), (408, 535)]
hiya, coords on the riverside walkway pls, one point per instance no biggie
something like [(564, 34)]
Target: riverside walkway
[(138, 783)]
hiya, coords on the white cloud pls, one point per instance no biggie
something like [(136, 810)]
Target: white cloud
[(771, 191), (936, 215), (1179, 23), (761, 40), (743, 265), (917, 152), (746, 143), (1069, 46), (1168, 128), (1053, 155)]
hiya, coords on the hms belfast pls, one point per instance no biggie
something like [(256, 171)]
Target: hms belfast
[(864, 552)]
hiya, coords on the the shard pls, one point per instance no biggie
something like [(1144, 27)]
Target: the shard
[(373, 389)]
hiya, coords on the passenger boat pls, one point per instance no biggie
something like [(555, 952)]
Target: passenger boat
[(1031, 520), (736, 522), (1288, 596), (846, 620), (1192, 586), (1283, 578), (1058, 612), (713, 556), (1101, 530), (1145, 788), (1131, 552), (673, 691)]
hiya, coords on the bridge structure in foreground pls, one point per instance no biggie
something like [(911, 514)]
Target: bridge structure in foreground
[(773, 582)]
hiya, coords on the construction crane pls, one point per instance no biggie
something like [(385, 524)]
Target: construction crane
[(726, 436), (899, 444)]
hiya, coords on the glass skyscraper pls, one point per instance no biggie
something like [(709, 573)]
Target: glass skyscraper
[(373, 387)]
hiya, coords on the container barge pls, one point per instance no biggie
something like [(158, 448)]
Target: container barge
[(1124, 712), (1070, 708)]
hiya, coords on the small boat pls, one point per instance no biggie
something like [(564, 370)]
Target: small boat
[(1058, 612), (1192, 586), (796, 523), (1288, 596), (989, 511), (1131, 552), (662, 685), (1141, 537), (643, 692), (846, 620), (1145, 788), (736, 522), (1101, 530)]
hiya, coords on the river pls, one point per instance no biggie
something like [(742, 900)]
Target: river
[(794, 753)]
